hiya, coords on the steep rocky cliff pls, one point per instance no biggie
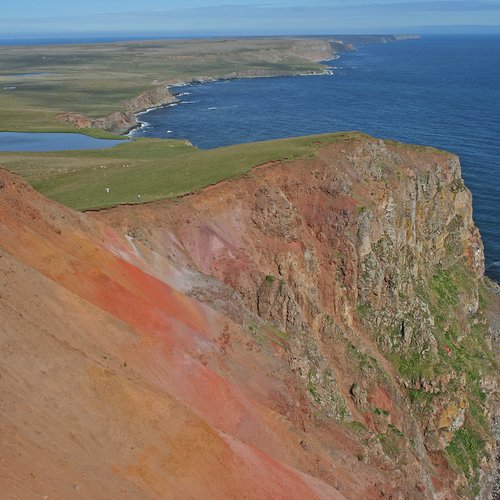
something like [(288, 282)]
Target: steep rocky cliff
[(313, 329), (121, 122), (364, 265)]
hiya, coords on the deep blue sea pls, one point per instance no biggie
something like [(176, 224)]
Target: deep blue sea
[(440, 91)]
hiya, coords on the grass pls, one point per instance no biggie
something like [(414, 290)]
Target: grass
[(466, 450), (445, 287), (463, 350), (267, 335), (392, 442), (471, 355), (153, 168), (94, 79)]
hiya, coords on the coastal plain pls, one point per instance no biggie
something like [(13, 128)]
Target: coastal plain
[(38, 83)]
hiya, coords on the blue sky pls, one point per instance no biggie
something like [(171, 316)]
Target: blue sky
[(244, 17)]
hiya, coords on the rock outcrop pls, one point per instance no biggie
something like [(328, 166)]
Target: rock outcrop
[(123, 121), (313, 329)]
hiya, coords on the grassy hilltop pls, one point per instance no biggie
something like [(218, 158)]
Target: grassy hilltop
[(154, 168)]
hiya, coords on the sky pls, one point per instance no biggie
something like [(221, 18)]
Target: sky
[(52, 18)]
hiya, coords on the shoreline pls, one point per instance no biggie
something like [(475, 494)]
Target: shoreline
[(196, 81), (130, 87), (326, 71), (340, 45), (123, 122)]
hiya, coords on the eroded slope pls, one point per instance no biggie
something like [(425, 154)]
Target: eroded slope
[(114, 384)]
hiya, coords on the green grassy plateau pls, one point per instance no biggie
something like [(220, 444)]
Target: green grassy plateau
[(153, 168)]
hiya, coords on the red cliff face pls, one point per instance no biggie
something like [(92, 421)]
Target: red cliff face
[(246, 341)]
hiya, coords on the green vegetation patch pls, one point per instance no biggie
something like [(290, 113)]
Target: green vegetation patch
[(445, 287), (392, 442), (466, 450), (154, 169), (311, 385), (267, 335)]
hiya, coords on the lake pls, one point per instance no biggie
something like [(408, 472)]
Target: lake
[(39, 142)]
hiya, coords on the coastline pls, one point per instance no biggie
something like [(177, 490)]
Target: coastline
[(337, 47), (124, 122), (101, 93), (318, 51), (201, 80)]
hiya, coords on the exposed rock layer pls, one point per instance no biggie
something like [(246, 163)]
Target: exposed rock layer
[(366, 262), (121, 122)]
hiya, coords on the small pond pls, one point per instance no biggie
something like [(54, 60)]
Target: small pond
[(40, 142)]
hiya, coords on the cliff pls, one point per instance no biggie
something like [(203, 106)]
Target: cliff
[(123, 121), (365, 265), (313, 329)]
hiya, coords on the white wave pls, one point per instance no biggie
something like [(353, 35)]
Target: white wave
[(185, 84), (140, 126), (223, 107), (145, 111), (182, 94), (334, 58), (170, 131)]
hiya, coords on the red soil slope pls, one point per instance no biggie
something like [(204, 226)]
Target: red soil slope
[(114, 384)]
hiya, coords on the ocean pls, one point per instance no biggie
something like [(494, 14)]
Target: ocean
[(440, 91)]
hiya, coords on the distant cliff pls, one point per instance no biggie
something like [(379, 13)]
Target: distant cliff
[(121, 122)]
